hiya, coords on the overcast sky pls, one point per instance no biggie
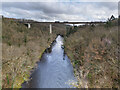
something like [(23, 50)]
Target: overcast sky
[(62, 11)]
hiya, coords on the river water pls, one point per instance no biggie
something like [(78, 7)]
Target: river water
[(54, 70)]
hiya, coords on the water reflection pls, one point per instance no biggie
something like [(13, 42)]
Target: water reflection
[(54, 70)]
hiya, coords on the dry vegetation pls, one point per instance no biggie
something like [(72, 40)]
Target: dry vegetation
[(21, 49), (93, 51)]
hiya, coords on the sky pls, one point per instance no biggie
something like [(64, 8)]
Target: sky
[(60, 11)]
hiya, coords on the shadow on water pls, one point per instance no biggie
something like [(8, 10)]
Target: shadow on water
[(54, 70)]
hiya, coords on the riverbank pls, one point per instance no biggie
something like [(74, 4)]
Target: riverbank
[(21, 49), (93, 53), (54, 69), (91, 49)]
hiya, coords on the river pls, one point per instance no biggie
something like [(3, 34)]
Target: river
[(54, 69)]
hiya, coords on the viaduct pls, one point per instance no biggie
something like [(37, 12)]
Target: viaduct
[(29, 23)]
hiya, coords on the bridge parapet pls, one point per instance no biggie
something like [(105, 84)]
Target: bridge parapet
[(96, 22), (29, 23)]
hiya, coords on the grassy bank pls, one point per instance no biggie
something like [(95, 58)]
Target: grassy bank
[(22, 48), (93, 51)]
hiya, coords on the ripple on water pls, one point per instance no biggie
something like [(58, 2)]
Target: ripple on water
[(52, 70)]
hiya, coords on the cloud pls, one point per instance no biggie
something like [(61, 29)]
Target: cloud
[(60, 0), (70, 11)]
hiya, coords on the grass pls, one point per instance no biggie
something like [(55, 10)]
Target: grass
[(22, 48), (93, 51)]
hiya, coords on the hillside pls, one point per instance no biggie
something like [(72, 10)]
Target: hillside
[(93, 51), (22, 48)]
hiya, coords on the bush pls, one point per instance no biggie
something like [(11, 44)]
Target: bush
[(25, 39), (71, 30)]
